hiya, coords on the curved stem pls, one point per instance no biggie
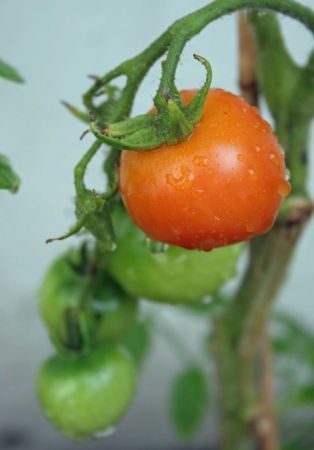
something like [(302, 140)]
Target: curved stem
[(80, 168), (174, 40)]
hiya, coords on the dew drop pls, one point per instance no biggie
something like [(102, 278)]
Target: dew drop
[(258, 148), (283, 188), (252, 174), (272, 156), (240, 157), (201, 161), (252, 227), (105, 433), (182, 180)]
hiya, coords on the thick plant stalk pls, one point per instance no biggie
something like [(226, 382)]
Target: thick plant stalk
[(247, 417), (238, 333), (267, 429)]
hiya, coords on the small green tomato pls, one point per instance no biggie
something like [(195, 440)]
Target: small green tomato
[(85, 394)]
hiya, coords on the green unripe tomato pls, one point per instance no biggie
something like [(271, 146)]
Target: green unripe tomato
[(86, 394), (173, 276), (115, 311), (66, 294)]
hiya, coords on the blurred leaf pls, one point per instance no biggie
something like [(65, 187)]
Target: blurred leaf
[(138, 342), (8, 72), (301, 396), (293, 338), (189, 400), (293, 445), (8, 178)]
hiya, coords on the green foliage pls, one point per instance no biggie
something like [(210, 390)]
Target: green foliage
[(138, 342), (8, 178), (189, 401), (9, 73), (293, 344)]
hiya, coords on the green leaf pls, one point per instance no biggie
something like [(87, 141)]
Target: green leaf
[(138, 342), (8, 72), (8, 178), (189, 401), (292, 338)]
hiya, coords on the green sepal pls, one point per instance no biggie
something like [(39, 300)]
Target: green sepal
[(9, 73), (8, 178), (81, 115), (97, 220), (92, 212), (171, 124), (102, 112), (78, 331)]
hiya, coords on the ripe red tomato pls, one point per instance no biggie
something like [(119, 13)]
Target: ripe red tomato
[(222, 185)]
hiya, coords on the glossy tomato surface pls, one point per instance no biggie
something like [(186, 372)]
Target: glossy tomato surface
[(224, 184), (173, 276), (87, 394)]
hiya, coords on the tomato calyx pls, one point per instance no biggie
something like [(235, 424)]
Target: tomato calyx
[(172, 123)]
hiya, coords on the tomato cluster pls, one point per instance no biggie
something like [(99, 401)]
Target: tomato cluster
[(222, 186), (87, 386)]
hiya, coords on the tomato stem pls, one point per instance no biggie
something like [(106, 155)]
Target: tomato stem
[(173, 41)]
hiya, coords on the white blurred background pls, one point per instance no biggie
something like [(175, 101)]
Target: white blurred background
[(55, 44)]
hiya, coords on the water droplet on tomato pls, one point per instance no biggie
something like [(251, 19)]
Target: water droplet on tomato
[(240, 157), (201, 161), (283, 188), (156, 246), (258, 148), (287, 175), (276, 159), (252, 227), (181, 180), (105, 433), (252, 174)]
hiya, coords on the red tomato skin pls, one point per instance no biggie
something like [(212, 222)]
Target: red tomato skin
[(224, 184)]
